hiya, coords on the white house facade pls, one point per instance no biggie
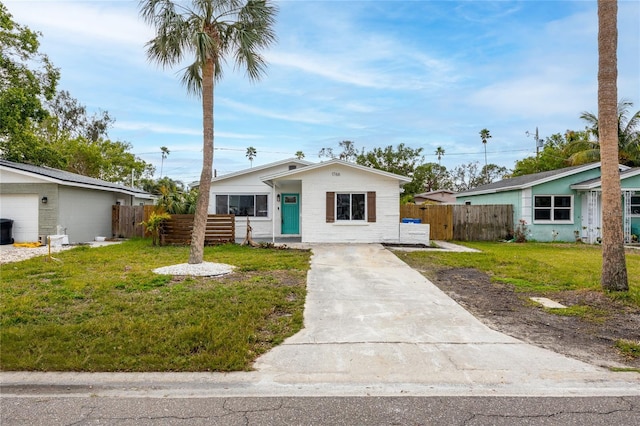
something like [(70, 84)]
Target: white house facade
[(332, 201)]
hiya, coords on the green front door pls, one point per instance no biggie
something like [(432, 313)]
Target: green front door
[(290, 213)]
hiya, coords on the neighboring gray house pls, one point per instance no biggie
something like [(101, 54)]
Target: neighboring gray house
[(563, 204), (441, 196), (44, 201)]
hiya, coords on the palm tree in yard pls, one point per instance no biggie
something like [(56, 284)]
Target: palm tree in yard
[(207, 32), (614, 268), (439, 153)]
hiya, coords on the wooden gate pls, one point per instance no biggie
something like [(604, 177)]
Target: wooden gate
[(125, 220)]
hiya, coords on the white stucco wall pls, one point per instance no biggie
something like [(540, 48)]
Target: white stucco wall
[(251, 184), (339, 178)]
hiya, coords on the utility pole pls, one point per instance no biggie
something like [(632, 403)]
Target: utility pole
[(539, 142)]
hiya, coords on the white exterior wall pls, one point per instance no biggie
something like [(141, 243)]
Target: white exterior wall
[(316, 183), (250, 184)]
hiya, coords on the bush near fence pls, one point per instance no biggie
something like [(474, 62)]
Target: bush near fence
[(221, 228), (463, 222)]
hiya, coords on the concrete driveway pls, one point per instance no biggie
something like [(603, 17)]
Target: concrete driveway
[(373, 326), (371, 320)]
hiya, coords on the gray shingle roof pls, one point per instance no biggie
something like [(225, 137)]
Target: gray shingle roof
[(526, 180), (73, 178)]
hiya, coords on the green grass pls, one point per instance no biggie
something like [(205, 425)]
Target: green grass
[(102, 309), (628, 348), (583, 311), (533, 267)]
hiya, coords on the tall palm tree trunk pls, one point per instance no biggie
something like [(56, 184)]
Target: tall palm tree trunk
[(614, 269), (196, 251)]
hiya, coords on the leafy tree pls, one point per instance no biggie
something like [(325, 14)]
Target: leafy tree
[(299, 155), (552, 156), (349, 152), (153, 185), (401, 160), (68, 119), (27, 79), (432, 177), (614, 267), (208, 31), (251, 154), (469, 176)]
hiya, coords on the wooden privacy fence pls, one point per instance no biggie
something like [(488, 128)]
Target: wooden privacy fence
[(221, 228), (125, 220), (463, 222), (439, 217)]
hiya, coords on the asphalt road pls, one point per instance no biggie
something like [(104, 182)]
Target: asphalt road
[(51, 411)]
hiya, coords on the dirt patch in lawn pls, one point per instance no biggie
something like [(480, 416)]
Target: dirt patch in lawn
[(590, 337)]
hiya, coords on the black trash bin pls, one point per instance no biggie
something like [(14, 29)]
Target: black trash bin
[(6, 231)]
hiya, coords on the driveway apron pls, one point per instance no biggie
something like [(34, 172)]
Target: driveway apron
[(371, 319)]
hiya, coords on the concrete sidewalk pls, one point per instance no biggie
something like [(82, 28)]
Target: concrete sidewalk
[(373, 326)]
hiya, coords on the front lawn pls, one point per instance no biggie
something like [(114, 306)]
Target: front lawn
[(103, 309)]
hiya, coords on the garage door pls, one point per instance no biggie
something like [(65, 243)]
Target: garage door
[(23, 210)]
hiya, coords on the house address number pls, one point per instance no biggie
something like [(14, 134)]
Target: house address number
[(335, 173)]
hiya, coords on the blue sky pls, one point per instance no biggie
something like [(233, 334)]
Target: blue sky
[(378, 73)]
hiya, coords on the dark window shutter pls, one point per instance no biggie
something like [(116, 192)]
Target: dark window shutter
[(371, 206), (331, 210)]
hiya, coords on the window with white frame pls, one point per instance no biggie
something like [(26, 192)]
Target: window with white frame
[(635, 205), (553, 208), (351, 206), (242, 205)]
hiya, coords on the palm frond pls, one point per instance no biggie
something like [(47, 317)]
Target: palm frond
[(584, 157)]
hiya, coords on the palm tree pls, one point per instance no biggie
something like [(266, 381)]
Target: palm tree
[(299, 155), (588, 150), (485, 135), (440, 153), (251, 154), (208, 31), (165, 154), (614, 268)]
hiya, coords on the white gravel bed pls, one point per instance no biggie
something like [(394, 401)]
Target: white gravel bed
[(9, 253), (204, 269)]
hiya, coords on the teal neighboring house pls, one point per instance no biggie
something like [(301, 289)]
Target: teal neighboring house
[(563, 204)]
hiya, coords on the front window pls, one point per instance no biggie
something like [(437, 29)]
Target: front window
[(635, 206), (242, 205), (350, 206), (553, 208)]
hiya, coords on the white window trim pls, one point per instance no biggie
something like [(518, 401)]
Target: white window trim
[(350, 221), (552, 221), (228, 194)]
